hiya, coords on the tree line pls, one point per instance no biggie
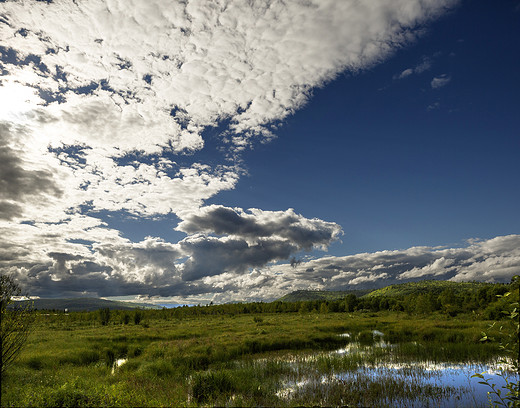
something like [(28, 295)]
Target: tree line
[(484, 302)]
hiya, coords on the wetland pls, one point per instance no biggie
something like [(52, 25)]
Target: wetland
[(266, 354)]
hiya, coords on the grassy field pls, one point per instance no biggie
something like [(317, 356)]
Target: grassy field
[(213, 360)]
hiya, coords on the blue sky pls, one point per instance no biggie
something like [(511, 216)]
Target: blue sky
[(396, 162), (154, 156)]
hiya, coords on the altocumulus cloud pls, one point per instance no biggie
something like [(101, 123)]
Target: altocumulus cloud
[(103, 105)]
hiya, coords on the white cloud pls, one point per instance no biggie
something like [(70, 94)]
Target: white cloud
[(406, 73), (114, 78), (202, 268), (210, 60), (421, 67), (93, 84), (440, 81)]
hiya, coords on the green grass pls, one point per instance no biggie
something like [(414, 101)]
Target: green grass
[(184, 362)]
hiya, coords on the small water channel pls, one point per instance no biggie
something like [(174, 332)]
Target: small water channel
[(118, 363), (377, 375)]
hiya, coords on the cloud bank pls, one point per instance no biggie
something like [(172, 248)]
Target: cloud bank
[(204, 268)]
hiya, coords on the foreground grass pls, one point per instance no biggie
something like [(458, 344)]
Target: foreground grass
[(193, 361)]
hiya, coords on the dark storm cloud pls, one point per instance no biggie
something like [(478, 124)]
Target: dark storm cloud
[(72, 275), (9, 210), (212, 256), (303, 232), (18, 184)]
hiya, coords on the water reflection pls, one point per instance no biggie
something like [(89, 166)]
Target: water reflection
[(429, 383), (118, 363)]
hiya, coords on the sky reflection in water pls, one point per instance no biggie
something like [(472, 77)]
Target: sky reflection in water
[(454, 378)]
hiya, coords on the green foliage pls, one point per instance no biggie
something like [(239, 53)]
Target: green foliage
[(308, 295), (324, 308), (508, 338), (137, 317), (432, 286), (104, 316), (15, 322), (125, 319)]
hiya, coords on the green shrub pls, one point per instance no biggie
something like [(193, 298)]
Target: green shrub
[(126, 318), (137, 317)]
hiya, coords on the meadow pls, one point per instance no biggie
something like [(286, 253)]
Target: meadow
[(249, 355)]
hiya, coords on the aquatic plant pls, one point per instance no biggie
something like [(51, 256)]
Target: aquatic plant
[(509, 344)]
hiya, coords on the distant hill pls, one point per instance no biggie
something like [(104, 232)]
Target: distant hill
[(401, 289), (428, 286), (86, 304), (306, 295)]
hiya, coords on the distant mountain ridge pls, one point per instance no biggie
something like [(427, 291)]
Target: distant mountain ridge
[(400, 289), (85, 304), (306, 295), (427, 286)]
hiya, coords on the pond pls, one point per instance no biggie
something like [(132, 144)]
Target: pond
[(382, 374)]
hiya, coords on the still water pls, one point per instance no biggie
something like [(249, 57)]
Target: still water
[(427, 383)]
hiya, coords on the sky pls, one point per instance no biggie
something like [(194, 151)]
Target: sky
[(222, 151)]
